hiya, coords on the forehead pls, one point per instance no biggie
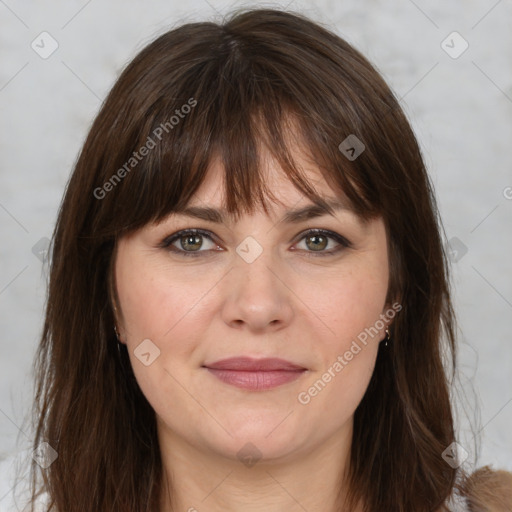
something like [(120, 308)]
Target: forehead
[(284, 194)]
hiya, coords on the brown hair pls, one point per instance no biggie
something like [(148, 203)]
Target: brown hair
[(245, 81)]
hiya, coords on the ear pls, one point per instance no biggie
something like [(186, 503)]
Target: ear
[(114, 301), (390, 311)]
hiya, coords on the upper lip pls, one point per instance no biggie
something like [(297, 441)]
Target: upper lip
[(249, 364)]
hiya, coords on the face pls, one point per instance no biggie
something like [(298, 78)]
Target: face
[(263, 287)]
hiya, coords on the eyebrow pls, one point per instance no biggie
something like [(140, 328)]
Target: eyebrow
[(320, 208)]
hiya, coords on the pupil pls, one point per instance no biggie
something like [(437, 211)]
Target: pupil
[(191, 240), (316, 244)]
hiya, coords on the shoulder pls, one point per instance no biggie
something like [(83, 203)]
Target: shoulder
[(488, 490)]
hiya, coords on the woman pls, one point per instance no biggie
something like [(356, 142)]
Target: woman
[(249, 299)]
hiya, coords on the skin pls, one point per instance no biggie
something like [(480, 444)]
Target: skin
[(307, 310)]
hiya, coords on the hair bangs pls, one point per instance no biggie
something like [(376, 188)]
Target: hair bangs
[(231, 107)]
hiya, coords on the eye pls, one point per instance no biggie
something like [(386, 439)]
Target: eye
[(318, 239), (189, 242)]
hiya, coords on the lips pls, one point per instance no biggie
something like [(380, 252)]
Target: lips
[(255, 374), (248, 364)]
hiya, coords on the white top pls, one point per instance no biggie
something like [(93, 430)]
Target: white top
[(457, 504)]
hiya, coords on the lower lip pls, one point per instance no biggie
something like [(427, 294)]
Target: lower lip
[(256, 381)]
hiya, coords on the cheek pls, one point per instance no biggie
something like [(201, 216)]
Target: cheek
[(354, 319), (350, 312), (352, 305), (153, 302), (157, 306)]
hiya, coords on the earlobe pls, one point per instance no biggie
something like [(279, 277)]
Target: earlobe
[(387, 337), (118, 329), (389, 314), (118, 336)]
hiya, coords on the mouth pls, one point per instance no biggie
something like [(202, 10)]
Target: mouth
[(255, 374)]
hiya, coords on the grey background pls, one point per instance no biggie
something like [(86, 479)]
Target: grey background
[(460, 108)]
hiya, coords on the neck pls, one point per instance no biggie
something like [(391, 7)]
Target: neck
[(196, 479)]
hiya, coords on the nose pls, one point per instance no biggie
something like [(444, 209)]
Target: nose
[(257, 297)]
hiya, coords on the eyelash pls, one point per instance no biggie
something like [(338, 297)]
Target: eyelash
[(168, 241)]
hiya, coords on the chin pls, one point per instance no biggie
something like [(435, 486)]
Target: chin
[(265, 441)]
